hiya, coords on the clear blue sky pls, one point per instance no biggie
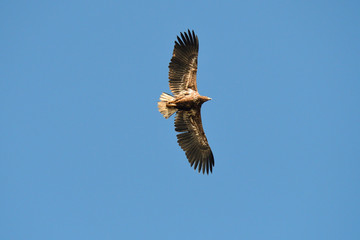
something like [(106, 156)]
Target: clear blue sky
[(85, 154)]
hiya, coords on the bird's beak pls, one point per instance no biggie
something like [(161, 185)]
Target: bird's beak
[(208, 98)]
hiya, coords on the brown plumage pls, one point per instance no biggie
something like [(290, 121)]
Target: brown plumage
[(187, 102)]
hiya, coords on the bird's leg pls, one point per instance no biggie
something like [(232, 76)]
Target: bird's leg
[(174, 102), (171, 104)]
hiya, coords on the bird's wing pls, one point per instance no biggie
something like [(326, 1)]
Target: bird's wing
[(193, 141), (183, 64)]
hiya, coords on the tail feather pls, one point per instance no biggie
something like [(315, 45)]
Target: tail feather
[(163, 109)]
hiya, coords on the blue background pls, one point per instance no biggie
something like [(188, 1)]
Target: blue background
[(85, 154)]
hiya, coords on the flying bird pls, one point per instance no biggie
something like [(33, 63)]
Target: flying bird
[(186, 102)]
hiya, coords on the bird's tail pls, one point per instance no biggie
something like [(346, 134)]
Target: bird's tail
[(166, 111)]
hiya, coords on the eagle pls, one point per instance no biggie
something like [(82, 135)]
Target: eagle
[(187, 102)]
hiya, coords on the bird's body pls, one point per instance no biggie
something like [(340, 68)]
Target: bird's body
[(187, 102), (191, 99)]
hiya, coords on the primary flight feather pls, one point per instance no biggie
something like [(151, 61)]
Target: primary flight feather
[(186, 102)]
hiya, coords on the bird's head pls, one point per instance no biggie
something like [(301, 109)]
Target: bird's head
[(204, 99)]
